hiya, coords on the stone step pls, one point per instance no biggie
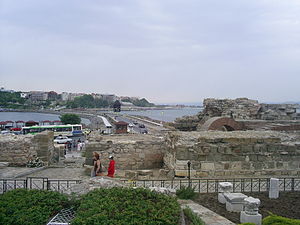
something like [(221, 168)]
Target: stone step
[(209, 217)]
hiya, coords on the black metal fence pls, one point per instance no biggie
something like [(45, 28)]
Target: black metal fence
[(40, 183), (200, 185), (212, 185)]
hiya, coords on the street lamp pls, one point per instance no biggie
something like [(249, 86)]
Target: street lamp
[(189, 172)]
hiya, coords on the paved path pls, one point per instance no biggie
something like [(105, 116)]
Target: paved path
[(209, 217)]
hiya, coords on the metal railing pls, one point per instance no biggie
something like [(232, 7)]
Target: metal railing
[(40, 183), (199, 185), (212, 185)]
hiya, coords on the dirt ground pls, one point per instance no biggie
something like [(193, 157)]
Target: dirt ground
[(287, 205)]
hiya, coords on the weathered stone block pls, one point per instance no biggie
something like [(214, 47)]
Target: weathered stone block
[(234, 201), (207, 166)]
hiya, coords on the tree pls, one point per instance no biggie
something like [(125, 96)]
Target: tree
[(70, 119)]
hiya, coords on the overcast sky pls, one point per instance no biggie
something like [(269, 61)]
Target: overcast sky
[(164, 50)]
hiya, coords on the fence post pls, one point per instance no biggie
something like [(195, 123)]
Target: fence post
[(4, 186), (292, 184)]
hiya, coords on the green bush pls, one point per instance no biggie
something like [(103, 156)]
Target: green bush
[(127, 206), (186, 193), (30, 207), (193, 218), (279, 220)]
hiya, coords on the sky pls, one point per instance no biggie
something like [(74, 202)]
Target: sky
[(167, 51)]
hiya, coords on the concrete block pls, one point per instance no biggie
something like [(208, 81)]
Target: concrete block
[(274, 188), (221, 198), (234, 201), (246, 218)]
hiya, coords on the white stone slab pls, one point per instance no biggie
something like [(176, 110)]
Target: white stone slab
[(221, 198), (225, 187), (235, 197), (246, 218), (234, 201), (274, 188)]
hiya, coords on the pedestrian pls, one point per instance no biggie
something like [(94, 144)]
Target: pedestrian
[(97, 165), (74, 144), (69, 145), (79, 146), (111, 167)]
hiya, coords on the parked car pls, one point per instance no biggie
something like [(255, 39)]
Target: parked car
[(62, 140), (141, 125), (144, 131)]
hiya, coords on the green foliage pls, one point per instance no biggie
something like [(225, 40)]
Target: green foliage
[(11, 100), (126, 206), (142, 102), (138, 102), (186, 193), (70, 118), (30, 207), (193, 218), (87, 101), (247, 224), (279, 220)]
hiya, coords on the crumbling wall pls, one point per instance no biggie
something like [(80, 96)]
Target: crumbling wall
[(129, 151), (239, 153), (19, 149), (240, 108)]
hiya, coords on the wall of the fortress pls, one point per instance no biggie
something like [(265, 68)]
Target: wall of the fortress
[(130, 152), (17, 150), (226, 154)]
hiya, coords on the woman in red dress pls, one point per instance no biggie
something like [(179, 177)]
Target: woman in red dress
[(111, 167)]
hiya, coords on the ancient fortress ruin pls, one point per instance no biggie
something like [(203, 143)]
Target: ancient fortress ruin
[(229, 138)]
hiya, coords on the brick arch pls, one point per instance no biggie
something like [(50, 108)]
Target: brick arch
[(222, 123)]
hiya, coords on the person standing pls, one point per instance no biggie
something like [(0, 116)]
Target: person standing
[(97, 164), (111, 167)]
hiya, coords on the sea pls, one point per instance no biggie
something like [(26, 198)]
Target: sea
[(26, 116), (167, 115)]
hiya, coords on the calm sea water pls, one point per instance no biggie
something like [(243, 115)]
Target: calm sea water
[(25, 116), (168, 115)]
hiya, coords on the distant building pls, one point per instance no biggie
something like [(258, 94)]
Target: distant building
[(24, 94), (52, 95), (72, 96), (65, 96), (121, 127), (37, 96), (109, 97)]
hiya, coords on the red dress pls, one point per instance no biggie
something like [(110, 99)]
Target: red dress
[(111, 168)]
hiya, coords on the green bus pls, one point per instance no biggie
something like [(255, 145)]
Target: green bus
[(64, 130)]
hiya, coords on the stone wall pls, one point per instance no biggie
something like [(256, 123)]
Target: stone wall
[(228, 154), (278, 112), (129, 151), (240, 108), (18, 149)]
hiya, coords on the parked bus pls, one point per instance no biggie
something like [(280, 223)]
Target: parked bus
[(65, 130)]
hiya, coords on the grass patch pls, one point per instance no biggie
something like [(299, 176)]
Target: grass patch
[(192, 217), (186, 193)]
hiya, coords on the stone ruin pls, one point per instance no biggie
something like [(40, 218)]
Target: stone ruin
[(17, 150), (245, 113), (228, 154), (132, 152)]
